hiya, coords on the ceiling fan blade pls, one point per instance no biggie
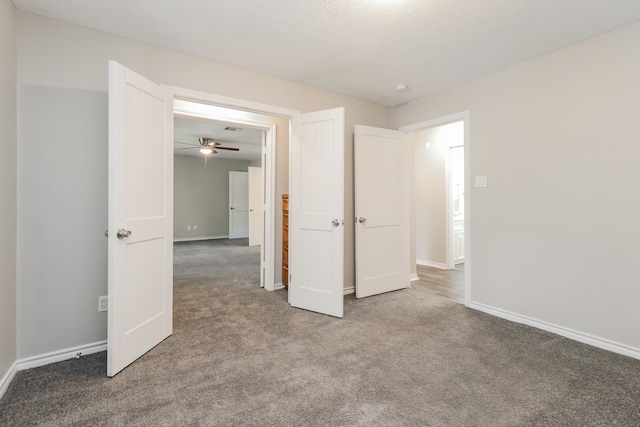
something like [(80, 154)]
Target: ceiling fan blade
[(187, 148), (186, 143), (227, 148)]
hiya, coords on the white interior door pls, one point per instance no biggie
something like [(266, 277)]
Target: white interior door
[(382, 210), (256, 206), (140, 233), (316, 214), (238, 204)]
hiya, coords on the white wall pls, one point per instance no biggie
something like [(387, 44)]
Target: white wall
[(555, 233), (62, 99), (201, 195), (431, 189), (8, 196)]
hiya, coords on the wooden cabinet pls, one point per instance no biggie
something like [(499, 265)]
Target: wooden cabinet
[(285, 239)]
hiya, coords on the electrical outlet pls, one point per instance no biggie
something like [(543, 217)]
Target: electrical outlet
[(188, 227), (103, 303), (195, 227)]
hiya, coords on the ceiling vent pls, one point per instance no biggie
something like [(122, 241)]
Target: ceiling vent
[(233, 129)]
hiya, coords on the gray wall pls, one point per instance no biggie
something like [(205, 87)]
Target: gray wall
[(430, 189), (63, 183), (8, 196), (555, 233), (201, 196)]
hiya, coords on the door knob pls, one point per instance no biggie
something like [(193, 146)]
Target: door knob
[(106, 233), (335, 222), (122, 233), (362, 220), (232, 208)]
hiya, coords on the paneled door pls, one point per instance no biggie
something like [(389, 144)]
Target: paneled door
[(256, 206), (140, 233), (316, 214), (382, 185), (238, 204)]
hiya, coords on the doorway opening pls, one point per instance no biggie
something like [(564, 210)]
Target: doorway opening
[(211, 224), (440, 214), (276, 125)]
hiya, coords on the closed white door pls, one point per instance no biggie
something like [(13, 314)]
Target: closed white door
[(382, 210), (256, 206), (316, 214), (140, 233), (238, 204)]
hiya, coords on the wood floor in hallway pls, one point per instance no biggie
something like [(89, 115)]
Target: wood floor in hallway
[(445, 283)]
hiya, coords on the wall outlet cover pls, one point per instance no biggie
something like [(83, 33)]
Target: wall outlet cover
[(103, 303)]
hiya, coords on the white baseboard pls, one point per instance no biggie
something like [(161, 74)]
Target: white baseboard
[(413, 277), (595, 341), (195, 239), (432, 264), (48, 358), (7, 378), (238, 236), (60, 355), (278, 286)]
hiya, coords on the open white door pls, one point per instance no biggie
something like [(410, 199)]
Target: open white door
[(316, 214), (256, 206), (238, 204), (140, 254), (382, 210)]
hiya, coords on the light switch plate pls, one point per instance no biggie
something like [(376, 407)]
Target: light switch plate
[(481, 181)]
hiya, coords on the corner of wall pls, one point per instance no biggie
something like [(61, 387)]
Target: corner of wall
[(8, 194)]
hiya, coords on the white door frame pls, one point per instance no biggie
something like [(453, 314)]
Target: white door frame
[(445, 120), (449, 208), (203, 105)]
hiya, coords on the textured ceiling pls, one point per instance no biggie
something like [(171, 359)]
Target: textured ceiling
[(361, 48)]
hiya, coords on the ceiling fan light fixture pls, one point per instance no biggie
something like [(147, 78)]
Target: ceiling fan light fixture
[(206, 150)]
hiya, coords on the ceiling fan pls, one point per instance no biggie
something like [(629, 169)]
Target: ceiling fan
[(207, 146)]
